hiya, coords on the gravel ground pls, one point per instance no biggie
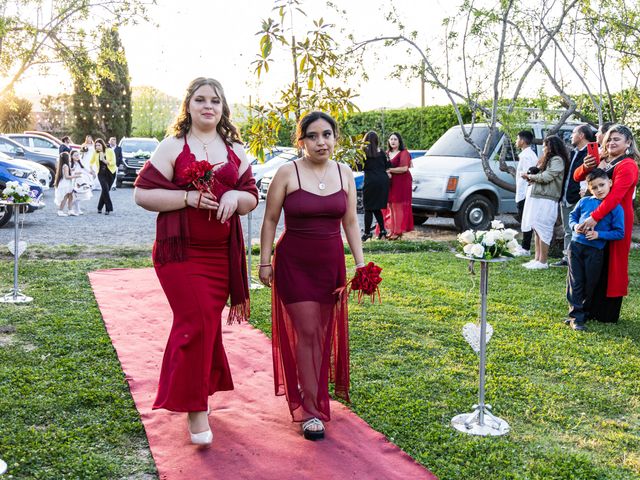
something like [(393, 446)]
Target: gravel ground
[(130, 225)]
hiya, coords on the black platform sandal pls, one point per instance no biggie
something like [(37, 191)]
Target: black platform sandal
[(311, 434)]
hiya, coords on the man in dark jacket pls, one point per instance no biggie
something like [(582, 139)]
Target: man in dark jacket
[(580, 136)]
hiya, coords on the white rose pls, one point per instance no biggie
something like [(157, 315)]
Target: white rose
[(477, 250), (489, 239), (467, 237), (497, 224), (512, 246), (509, 234), (498, 235), (467, 249)]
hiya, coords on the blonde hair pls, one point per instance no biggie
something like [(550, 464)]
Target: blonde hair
[(182, 124)]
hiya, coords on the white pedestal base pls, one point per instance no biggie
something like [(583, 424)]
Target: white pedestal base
[(470, 423), (15, 297)]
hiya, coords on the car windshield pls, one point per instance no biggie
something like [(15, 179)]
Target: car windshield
[(453, 144), (132, 146)]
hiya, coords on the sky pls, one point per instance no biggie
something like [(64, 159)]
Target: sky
[(214, 38)]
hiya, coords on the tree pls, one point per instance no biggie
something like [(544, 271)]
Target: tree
[(316, 68), (114, 99), (57, 114), (153, 110), (38, 34), (15, 113), (85, 120)]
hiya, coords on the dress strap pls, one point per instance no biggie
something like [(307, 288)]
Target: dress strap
[(340, 175), (295, 164), (185, 139)]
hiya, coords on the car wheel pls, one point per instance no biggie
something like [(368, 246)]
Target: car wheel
[(419, 220), (6, 212), (360, 202), (476, 213), (52, 176), (119, 183)]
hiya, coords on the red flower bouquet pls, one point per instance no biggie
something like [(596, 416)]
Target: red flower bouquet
[(201, 177), (366, 281)]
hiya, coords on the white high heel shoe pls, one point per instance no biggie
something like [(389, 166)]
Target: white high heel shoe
[(201, 438)]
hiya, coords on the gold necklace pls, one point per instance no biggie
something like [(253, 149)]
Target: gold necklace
[(204, 144), (321, 184)]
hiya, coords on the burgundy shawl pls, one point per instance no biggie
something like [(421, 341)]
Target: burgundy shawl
[(172, 237)]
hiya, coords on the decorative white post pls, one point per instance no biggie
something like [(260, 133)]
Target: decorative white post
[(15, 296), (253, 285), (481, 421)]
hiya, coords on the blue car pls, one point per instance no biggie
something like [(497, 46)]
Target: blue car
[(14, 172)]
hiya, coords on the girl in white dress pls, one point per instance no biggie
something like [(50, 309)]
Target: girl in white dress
[(64, 185)]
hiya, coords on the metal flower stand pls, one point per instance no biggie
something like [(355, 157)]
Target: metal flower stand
[(15, 296), (253, 285), (481, 421)]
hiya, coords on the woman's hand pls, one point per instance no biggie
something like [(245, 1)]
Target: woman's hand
[(204, 200), (588, 224), (589, 162), (228, 206), (525, 176), (265, 274)]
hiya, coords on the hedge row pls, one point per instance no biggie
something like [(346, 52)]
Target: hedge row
[(419, 127)]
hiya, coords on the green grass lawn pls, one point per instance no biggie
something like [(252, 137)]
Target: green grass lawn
[(572, 400)]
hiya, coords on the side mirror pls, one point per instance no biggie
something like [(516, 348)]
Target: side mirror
[(20, 152)]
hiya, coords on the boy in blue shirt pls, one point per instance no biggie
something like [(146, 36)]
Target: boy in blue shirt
[(586, 250)]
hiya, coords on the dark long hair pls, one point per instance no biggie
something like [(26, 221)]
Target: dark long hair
[(308, 119), (632, 151), (400, 141), (373, 144), (182, 124), (62, 161), (554, 147)]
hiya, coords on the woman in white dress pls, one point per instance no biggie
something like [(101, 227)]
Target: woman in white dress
[(543, 193)]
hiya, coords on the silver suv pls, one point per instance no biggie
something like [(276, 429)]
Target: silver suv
[(449, 181)]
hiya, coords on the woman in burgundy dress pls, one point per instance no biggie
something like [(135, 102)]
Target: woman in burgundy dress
[(309, 318), (620, 158), (199, 253), (399, 215)]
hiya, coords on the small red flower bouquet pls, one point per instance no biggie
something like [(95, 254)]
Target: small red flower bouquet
[(201, 177), (366, 281)]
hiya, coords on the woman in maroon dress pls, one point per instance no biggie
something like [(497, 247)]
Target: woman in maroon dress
[(309, 318), (198, 254), (620, 160), (399, 215)]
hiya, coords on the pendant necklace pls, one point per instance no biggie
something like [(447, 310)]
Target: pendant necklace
[(204, 144), (321, 184)]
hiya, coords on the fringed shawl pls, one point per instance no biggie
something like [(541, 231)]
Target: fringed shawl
[(172, 237)]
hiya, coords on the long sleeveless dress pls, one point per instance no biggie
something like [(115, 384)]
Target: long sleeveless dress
[(309, 316), (399, 217), (195, 363)]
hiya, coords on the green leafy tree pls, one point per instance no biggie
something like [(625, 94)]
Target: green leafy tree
[(57, 114), (15, 113), (114, 97), (153, 111), (84, 109), (317, 78), (37, 34)]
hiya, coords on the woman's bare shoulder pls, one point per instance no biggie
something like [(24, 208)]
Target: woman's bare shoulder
[(167, 151)]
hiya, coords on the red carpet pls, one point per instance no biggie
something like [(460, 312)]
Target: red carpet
[(254, 437)]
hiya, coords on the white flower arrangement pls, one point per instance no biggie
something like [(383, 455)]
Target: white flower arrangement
[(142, 154), (16, 192), (494, 243)]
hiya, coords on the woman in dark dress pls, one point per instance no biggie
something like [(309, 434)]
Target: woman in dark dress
[(375, 191), (309, 318), (198, 254)]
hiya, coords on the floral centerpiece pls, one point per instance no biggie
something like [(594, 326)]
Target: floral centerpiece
[(16, 192), (488, 244)]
